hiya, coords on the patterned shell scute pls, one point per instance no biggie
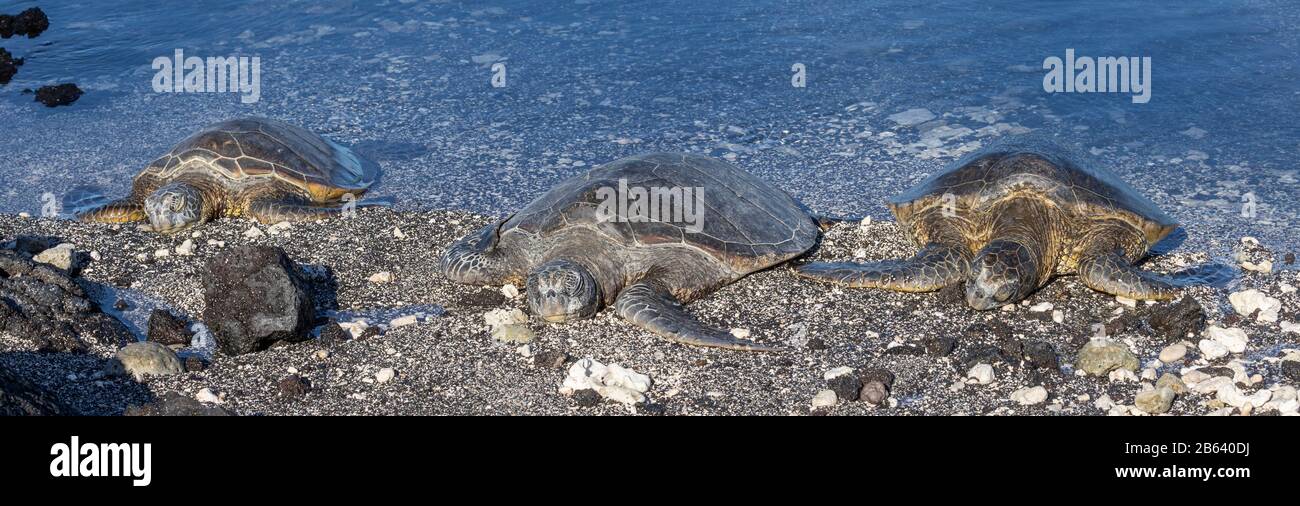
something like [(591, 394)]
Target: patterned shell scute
[(742, 216), (252, 147), (1041, 166)]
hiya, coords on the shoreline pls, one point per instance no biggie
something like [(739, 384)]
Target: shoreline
[(450, 364)]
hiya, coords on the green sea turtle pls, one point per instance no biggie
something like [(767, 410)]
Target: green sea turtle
[(1006, 219), (264, 169), (591, 241)]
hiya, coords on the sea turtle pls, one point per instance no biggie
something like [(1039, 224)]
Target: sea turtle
[(591, 241), (1006, 219), (264, 169)]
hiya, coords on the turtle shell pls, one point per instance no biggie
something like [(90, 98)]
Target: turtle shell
[(247, 149), (1041, 167), (744, 222)]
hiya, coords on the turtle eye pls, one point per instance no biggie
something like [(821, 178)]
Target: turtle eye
[(175, 203)]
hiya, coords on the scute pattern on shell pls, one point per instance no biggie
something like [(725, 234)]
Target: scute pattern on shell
[(1045, 168), (747, 223), (258, 147)]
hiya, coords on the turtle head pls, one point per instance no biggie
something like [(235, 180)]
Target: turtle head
[(561, 290), (1004, 272), (174, 207)]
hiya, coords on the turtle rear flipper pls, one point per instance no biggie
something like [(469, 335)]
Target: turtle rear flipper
[(1112, 273), (118, 211), (934, 267), (649, 307)]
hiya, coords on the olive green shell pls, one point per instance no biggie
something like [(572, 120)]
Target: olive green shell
[(250, 150), (1040, 168)]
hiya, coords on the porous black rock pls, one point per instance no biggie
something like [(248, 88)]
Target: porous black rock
[(551, 359), (1176, 321), (1291, 369), (166, 329), (1040, 355), (19, 397), (47, 306), (293, 386), (847, 387), (586, 397), (332, 333), (58, 94), (8, 66), (254, 298), (940, 346)]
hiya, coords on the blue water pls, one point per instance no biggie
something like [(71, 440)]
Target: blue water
[(408, 83)]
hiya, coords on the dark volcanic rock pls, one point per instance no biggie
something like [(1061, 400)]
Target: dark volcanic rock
[(18, 397), (552, 359), (8, 66), (166, 329), (586, 397), (1176, 321), (45, 305), (294, 386), (940, 346), (254, 298), (31, 22), (195, 364), (174, 404), (847, 387), (1291, 369), (59, 94), (331, 333), (1039, 355)]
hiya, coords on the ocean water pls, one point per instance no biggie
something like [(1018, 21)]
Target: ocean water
[(409, 84)]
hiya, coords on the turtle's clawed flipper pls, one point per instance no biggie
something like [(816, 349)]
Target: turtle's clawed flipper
[(653, 309), (1112, 273), (117, 211), (934, 267), (475, 259), (275, 211)]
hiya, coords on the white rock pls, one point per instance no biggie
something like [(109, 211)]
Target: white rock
[(1149, 374), (397, 232), (214, 242), (824, 399), (1232, 396), (162, 253), (94, 255), (500, 317), (206, 395), (1126, 301), (381, 277), (1029, 396), (279, 228), (981, 373), (1290, 327), (613, 382), (186, 248), (253, 233), (403, 321), (1248, 301), (513, 334), (509, 290), (1058, 316), (385, 375), (1173, 353), (1284, 287), (1104, 402), (1212, 349), (525, 350), (355, 327), (837, 372), (1233, 339), (619, 376), (1265, 266), (1041, 307), (740, 333), (60, 256), (1122, 375)]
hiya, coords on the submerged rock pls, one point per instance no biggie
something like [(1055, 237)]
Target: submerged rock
[(8, 66), (59, 94), (254, 298), (31, 22)]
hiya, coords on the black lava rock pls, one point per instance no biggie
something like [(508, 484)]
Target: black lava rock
[(552, 359), (255, 298), (8, 66), (59, 94), (331, 333), (19, 397), (940, 346), (905, 350), (174, 404), (47, 306), (847, 387), (1289, 259), (1176, 321), (1040, 355), (1291, 369), (195, 364), (31, 22), (816, 343), (294, 386), (1218, 371), (586, 397), (166, 329)]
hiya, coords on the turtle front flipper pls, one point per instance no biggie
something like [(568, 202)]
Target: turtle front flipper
[(651, 308), (128, 210), (1112, 273), (274, 211), (937, 265), (476, 260)]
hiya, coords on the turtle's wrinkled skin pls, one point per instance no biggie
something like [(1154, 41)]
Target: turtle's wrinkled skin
[(264, 169), (573, 261), (1007, 219)]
